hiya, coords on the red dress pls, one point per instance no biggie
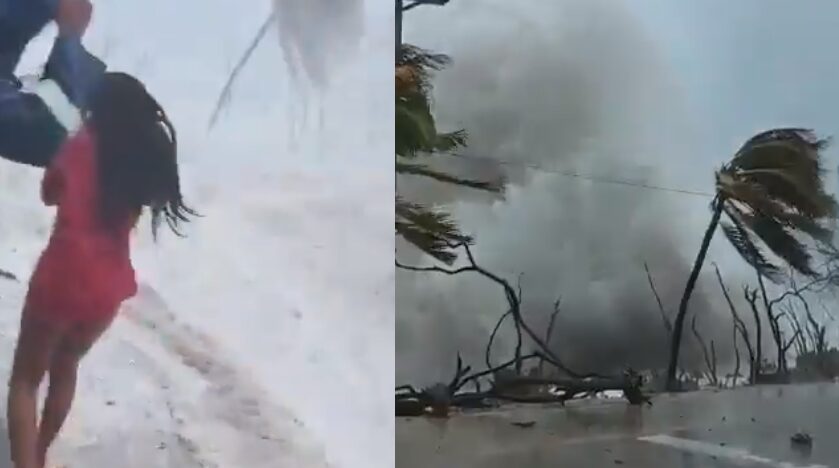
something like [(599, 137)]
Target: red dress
[(85, 272)]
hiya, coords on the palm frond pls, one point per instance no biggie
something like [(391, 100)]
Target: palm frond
[(780, 241), (807, 225), (777, 154), (423, 64), (804, 194), (448, 142), (756, 197), (747, 247), (431, 231), (227, 91), (425, 171), (800, 136), (787, 165), (416, 131), (774, 196)]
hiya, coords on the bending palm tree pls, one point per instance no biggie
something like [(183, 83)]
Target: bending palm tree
[(772, 195), (432, 231)]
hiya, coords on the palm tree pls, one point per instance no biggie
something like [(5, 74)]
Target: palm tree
[(431, 230), (317, 36), (773, 197)]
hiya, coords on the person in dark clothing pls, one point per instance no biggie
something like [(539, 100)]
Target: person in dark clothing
[(29, 131)]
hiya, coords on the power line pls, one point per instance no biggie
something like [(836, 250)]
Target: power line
[(577, 175)]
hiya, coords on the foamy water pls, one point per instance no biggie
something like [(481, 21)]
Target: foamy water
[(265, 338)]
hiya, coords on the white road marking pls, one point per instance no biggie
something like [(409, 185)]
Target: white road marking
[(734, 455)]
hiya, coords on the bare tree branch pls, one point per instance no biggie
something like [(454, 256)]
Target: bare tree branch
[(710, 359), (739, 327), (549, 332), (488, 352), (736, 374), (751, 298), (512, 299), (665, 319)]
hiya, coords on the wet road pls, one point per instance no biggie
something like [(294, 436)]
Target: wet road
[(749, 427), (5, 456)]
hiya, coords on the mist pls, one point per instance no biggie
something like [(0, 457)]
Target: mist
[(574, 86)]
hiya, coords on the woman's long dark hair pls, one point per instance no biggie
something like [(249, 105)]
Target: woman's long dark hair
[(137, 154)]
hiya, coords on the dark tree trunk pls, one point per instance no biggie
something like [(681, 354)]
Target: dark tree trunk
[(678, 325), (398, 36), (758, 344)]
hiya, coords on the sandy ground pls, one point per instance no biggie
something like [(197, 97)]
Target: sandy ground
[(749, 427), (156, 392)]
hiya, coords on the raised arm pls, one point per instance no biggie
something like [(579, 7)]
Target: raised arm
[(29, 132), (20, 22), (75, 69)]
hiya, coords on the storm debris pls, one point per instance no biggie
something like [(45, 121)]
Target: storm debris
[(802, 439)]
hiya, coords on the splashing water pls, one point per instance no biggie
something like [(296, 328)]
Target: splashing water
[(318, 37)]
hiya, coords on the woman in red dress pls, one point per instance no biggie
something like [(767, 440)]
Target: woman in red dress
[(124, 159)]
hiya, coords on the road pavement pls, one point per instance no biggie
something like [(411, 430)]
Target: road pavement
[(747, 427)]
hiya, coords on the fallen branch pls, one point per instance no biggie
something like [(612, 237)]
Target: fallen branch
[(437, 400)]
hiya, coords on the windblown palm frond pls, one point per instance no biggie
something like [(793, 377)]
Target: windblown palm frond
[(742, 241), (416, 130), (422, 65), (422, 170), (431, 231), (774, 195)]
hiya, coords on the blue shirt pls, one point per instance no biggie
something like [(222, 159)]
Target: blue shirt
[(20, 21), (69, 64), (29, 133)]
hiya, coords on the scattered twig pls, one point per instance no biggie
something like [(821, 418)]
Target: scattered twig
[(8, 275)]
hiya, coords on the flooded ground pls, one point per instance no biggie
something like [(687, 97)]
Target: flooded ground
[(748, 427)]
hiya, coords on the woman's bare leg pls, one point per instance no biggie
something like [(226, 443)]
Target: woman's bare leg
[(62, 380), (36, 343), (62, 390)]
